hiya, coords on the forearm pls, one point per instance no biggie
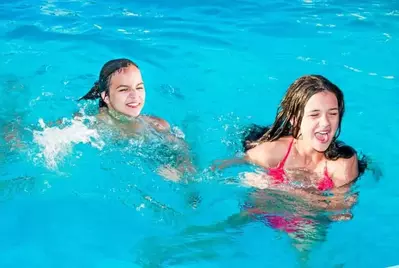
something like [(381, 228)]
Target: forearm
[(184, 160), (337, 202), (234, 221), (223, 164), (12, 134)]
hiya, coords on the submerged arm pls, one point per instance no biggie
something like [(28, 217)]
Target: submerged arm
[(338, 205), (222, 164), (184, 160), (234, 221)]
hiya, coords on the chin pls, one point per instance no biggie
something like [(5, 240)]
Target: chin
[(321, 148), (133, 113)]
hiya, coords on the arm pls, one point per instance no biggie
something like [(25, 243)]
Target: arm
[(260, 155), (159, 124), (12, 134), (222, 164), (60, 121), (336, 202), (184, 161), (338, 205), (234, 221)]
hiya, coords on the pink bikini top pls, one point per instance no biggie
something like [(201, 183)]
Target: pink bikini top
[(278, 173)]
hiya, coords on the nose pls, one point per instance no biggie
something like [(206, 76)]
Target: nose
[(133, 93), (324, 120)]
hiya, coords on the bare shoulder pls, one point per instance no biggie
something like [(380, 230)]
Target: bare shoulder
[(268, 154), (159, 123), (103, 117), (344, 170)]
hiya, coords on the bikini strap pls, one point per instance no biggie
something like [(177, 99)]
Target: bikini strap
[(282, 162), (326, 183), (325, 170)]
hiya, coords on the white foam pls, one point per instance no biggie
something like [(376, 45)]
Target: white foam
[(358, 16), (56, 142), (389, 77), (353, 69), (387, 35), (178, 132), (130, 14), (393, 13)]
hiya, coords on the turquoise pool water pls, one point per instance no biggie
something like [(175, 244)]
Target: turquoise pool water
[(211, 68)]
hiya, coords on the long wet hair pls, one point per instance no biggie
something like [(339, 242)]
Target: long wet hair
[(290, 113), (104, 79)]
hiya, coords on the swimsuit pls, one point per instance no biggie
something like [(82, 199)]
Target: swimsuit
[(278, 173), (289, 224)]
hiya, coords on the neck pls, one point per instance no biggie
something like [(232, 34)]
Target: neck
[(120, 117), (309, 154)]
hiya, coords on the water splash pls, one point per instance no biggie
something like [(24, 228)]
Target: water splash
[(57, 142)]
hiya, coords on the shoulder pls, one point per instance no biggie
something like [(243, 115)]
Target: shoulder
[(268, 154), (345, 170), (104, 117), (159, 123)]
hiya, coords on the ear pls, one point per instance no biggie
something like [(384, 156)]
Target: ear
[(105, 97), (293, 121)]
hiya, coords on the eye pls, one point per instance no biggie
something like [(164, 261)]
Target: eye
[(122, 89), (314, 115), (140, 88), (334, 113)]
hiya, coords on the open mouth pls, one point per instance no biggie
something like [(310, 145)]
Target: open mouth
[(133, 104), (322, 136)]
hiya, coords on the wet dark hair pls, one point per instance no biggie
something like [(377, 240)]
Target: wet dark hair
[(103, 82), (291, 109)]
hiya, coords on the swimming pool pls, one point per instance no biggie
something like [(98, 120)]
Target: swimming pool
[(218, 65)]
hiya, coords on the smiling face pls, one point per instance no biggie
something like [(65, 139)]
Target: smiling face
[(320, 120), (311, 111), (126, 93)]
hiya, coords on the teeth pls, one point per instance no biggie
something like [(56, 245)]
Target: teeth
[(133, 104)]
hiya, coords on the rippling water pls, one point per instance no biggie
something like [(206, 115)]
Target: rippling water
[(211, 67)]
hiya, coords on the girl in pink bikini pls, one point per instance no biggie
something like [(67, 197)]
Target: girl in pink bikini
[(303, 138)]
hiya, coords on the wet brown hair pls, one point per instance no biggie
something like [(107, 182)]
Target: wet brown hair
[(103, 82), (293, 104)]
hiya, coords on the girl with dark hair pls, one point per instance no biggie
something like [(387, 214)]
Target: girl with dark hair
[(121, 93)]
